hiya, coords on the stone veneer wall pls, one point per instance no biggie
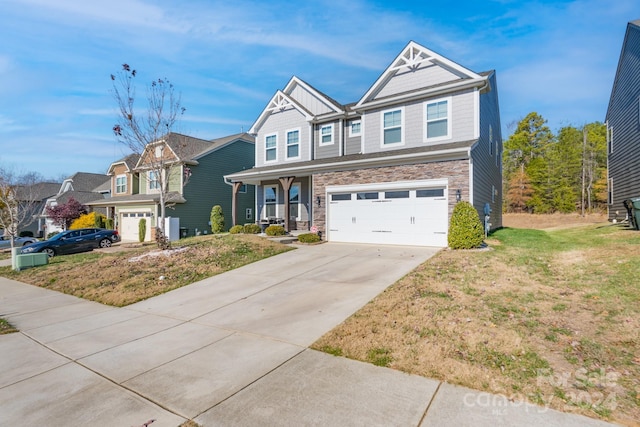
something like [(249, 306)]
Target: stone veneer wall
[(457, 171)]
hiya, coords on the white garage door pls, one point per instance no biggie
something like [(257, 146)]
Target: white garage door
[(417, 216), (129, 225)]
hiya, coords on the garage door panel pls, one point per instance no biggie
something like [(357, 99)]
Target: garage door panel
[(399, 220)]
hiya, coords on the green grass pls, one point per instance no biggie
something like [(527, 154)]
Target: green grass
[(6, 327)]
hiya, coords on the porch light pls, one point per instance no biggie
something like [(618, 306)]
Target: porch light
[(318, 201), (458, 195)]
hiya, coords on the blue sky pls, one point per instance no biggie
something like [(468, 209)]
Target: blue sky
[(228, 58)]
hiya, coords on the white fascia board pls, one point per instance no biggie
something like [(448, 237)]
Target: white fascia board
[(440, 155), (295, 80), (269, 109), (401, 61), (442, 90)]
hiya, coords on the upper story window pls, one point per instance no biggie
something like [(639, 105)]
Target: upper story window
[(355, 128), (271, 148), (392, 126), (159, 149), (293, 144), (154, 182), (121, 184), (438, 119), (326, 134), (490, 139)]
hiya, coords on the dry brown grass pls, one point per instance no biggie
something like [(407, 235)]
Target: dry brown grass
[(114, 279), (555, 323)]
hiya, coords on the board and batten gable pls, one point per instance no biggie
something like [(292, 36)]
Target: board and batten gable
[(279, 123), (310, 100), (486, 157), (463, 118), (623, 125), (406, 80)]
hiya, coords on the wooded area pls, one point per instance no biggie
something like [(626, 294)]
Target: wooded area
[(545, 173)]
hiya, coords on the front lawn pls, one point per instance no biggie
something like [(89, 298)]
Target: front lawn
[(122, 278), (552, 317)]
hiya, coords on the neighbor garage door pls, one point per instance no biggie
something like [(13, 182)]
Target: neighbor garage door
[(129, 225), (397, 216)]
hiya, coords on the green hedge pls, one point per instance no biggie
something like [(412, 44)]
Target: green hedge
[(275, 230), (465, 229), (308, 238), (236, 229), (252, 229)]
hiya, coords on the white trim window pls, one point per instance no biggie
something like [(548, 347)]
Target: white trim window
[(293, 144), (437, 119), (154, 181), (392, 126), (326, 134), (121, 184), (355, 128), (294, 202), (271, 147), (270, 201)]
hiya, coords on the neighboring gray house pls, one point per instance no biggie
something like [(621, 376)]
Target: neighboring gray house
[(623, 126), (83, 187), (195, 168), (389, 168)]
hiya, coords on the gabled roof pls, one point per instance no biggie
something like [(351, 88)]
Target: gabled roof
[(129, 162), (635, 26), (83, 181), (218, 143), (183, 147), (415, 56), (37, 191), (327, 100), (280, 101)]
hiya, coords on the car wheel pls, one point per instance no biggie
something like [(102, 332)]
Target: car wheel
[(50, 252), (105, 243)]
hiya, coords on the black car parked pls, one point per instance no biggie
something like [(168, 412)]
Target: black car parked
[(72, 241)]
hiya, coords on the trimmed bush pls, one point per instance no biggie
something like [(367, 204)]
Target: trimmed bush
[(236, 229), (92, 219), (275, 230), (465, 229), (217, 219), (252, 229), (26, 233), (308, 238), (142, 229)]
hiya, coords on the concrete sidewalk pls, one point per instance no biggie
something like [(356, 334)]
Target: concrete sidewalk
[(229, 350)]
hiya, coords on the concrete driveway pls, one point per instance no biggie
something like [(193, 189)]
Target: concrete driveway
[(229, 350)]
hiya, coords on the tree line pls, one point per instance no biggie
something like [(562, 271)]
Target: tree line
[(546, 173)]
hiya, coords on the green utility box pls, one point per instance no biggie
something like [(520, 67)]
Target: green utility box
[(31, 260), (635, 202)]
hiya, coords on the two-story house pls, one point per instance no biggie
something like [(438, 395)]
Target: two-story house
[(388, 168), (194, 175), (623, 126)]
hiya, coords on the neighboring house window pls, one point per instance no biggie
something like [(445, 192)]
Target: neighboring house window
[(293, 144), (326, 134), (294, 201), (248, 213), (243, 188), (159, 149), (270, 147), (438, 119), (154, 182), (121, 184), (270, 200), (610, 191), (355, 128), (392, 126)]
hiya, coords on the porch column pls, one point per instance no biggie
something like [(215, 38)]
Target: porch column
[(236, 189), (286, 185)]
